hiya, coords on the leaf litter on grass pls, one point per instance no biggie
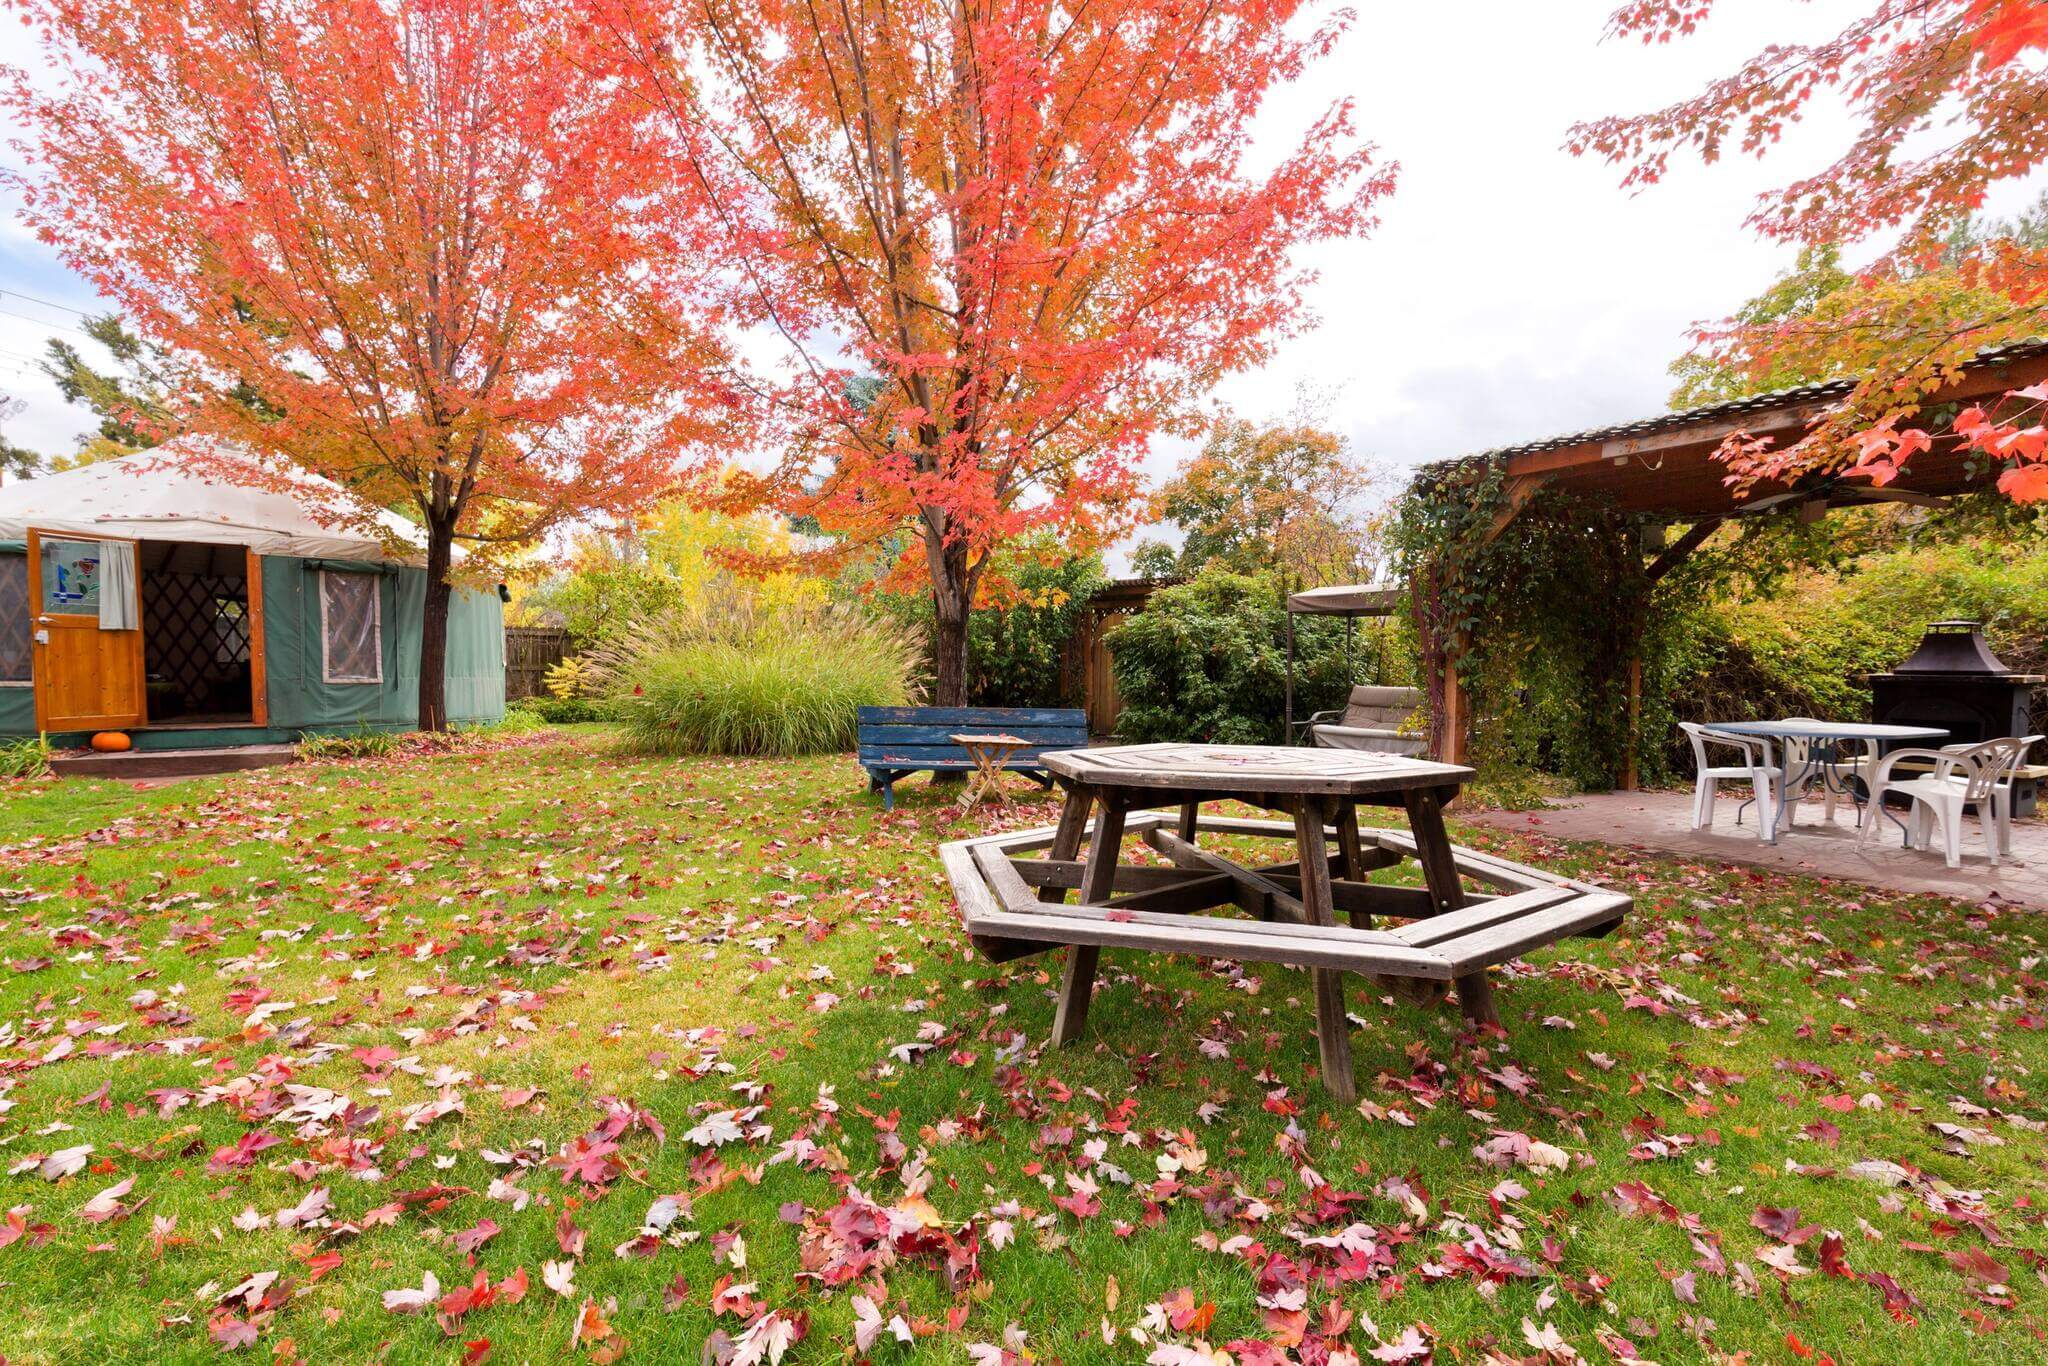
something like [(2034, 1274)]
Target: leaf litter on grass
[(528, 1050)]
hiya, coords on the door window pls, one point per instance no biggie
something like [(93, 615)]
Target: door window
[(71, 577)]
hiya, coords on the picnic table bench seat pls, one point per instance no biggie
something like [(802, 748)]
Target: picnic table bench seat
[(896, 741), (998, 890), (1013, 905)]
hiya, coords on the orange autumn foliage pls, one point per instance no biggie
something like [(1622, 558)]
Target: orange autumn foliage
[(1949, 98), (1001, 244), (431, 249)]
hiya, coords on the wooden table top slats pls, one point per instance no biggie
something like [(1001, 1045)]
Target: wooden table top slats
[(1232, 769)]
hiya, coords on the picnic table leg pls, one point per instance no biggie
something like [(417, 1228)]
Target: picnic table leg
[(1333, 1030), (1440, 872), (1354, 856), (1066, 836), (1098, 879), (1186, 828)]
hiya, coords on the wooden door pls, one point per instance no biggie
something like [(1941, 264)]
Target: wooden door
[(259, 677), (1099, 691), (86, 678)]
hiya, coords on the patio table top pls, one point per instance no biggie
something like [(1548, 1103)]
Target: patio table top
[(1829, 730)]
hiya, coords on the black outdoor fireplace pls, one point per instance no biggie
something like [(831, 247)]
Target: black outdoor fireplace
[(1954, 681)]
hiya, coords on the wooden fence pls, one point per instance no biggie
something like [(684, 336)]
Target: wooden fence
[(530, 651), (1086, 678)]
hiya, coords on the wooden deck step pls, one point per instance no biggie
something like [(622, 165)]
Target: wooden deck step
[(161, 764)]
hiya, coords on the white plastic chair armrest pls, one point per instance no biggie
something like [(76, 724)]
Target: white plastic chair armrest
[(1750, 745), (1944, 763)]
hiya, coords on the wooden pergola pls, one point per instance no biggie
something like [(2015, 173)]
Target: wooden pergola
[(1664, 468)]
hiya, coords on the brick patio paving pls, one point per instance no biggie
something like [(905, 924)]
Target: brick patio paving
[(1660, 822)]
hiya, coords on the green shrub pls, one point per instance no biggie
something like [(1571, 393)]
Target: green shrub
[(1207, 661), (1803, 651), (746, 681), (362, 743), (515, 721), (1015, 652), (563, 711), (24, 758)]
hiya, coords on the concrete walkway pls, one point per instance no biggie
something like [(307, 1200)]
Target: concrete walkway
[(1660, 822)]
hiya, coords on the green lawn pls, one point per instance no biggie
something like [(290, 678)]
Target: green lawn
[(625, 1056)]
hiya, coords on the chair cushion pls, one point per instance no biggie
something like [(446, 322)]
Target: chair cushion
[(1373, 707), (1369, 739)]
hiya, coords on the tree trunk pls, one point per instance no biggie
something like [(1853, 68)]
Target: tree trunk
[(434, 631), (952, 602), (949, 660)]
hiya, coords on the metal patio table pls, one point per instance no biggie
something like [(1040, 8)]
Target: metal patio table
[(1823, 756)]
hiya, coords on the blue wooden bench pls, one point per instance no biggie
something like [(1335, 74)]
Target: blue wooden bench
[(895, 741)]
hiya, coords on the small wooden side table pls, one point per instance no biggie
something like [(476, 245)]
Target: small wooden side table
[(990, 753)]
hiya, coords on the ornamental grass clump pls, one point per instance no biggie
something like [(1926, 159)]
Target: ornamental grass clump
[(731, 678), (24, 758)]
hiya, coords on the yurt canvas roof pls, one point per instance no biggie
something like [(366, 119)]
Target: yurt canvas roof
[(153, 496)]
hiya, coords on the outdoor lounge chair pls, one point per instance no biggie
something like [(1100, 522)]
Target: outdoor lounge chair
[(1974, 776), (1379, 720)]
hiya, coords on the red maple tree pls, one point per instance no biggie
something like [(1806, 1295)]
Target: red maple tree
[(431, 249), (1002, 244), (1951, 99)]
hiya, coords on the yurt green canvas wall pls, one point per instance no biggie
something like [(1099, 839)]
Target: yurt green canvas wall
[(340, 611)]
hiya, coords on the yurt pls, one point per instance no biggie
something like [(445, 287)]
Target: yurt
[(196, 611)]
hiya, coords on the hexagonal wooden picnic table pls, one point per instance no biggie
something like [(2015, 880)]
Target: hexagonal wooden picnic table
[(1013, 905)]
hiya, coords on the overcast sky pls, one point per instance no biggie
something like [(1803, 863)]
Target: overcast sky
[(1512, 292)]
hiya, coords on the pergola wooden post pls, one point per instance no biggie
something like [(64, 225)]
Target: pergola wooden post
[(1456, 723)]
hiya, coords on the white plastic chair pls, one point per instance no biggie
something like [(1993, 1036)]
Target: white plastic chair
[(2001, 797), (1756, 769), (1977, 777)]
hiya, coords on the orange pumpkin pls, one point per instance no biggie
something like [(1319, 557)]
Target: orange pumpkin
[(111, 742)]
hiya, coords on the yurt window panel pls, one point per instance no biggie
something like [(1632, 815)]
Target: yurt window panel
[(351, 627), (14, 619)]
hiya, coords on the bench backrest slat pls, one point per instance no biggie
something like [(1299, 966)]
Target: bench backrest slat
[(973, 718), (911, 738)]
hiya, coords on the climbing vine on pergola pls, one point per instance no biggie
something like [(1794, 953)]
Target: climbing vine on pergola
[(1560, 618), (1547, 581)]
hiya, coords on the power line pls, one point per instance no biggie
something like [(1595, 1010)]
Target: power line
[(45, 322), (46, 303)]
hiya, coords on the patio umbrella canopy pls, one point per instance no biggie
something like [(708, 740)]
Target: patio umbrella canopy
[(1350, 601), (1346, 600)]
